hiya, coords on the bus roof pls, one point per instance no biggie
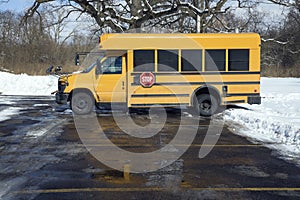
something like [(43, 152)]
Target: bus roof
[(180, 41)]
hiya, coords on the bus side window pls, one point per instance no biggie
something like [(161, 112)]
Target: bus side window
[(238, 59), (118, 63), (167, 60), (215, 60), (191, 60), (143, 60), (112, 65)]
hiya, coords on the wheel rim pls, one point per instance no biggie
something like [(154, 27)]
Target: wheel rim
[(205, 105), (81, 104)]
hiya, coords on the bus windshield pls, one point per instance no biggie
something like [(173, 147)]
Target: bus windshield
[(91, 60)]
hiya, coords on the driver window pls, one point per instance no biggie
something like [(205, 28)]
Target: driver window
[(112, 65)]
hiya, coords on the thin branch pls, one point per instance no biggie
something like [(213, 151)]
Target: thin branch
[(286, 3), (294, 52), (274, 40)]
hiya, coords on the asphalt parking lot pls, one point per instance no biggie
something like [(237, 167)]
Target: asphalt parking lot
[(43, 157)]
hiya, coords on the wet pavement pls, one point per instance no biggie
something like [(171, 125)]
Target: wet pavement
[(42, 157)]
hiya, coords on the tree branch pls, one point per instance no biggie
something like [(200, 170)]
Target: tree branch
[(274, 40)]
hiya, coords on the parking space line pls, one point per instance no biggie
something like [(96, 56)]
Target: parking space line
[(181, 145), (257, 189), (170, 125), (188, 125), (229, 145), (74, 190), (153, 189)]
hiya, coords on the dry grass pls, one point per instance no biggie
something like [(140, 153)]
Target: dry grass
[(277, 71), (37, 69)]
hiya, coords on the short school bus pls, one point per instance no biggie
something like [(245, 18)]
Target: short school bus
[(199, 71)]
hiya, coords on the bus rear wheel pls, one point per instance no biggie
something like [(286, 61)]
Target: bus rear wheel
[(206, 105), (82, 103)]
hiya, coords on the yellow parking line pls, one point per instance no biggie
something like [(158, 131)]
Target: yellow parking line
[(153, 189), (150, 145), (74, 190), (188, 125), (180, 145), (166, 125), (230, 145), (258, 189)]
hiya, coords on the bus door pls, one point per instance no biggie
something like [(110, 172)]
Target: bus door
[(111, 81)]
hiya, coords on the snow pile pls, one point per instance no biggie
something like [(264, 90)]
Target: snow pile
[(23, 84), (276, 122)]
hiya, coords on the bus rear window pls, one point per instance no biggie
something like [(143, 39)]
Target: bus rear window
[(143, 60)]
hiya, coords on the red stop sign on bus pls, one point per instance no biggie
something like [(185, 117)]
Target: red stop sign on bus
[(147, 79)]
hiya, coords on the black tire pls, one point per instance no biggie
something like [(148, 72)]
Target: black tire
[(82, 103), (206, 105)]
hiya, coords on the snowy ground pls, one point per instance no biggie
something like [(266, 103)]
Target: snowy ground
[(23, 84), (275, 123)]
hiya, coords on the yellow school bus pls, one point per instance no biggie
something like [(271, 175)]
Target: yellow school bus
[(198, 71)]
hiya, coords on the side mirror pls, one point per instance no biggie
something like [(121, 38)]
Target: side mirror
[(49, 70), (98, 67), (77, 60)]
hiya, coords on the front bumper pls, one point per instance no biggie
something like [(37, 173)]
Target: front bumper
[(254, 100), (61, 98)]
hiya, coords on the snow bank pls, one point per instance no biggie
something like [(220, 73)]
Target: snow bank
[(23, 84), (276, 122)]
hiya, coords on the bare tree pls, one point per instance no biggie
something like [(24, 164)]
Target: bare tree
[(119, 16), (280, 47), (33, 46), (287, 3)]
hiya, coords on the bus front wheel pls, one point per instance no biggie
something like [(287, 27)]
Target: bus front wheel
[(206, 105), (82, 103)]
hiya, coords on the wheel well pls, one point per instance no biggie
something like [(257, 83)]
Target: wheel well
[(206, 90), (80, 90)]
